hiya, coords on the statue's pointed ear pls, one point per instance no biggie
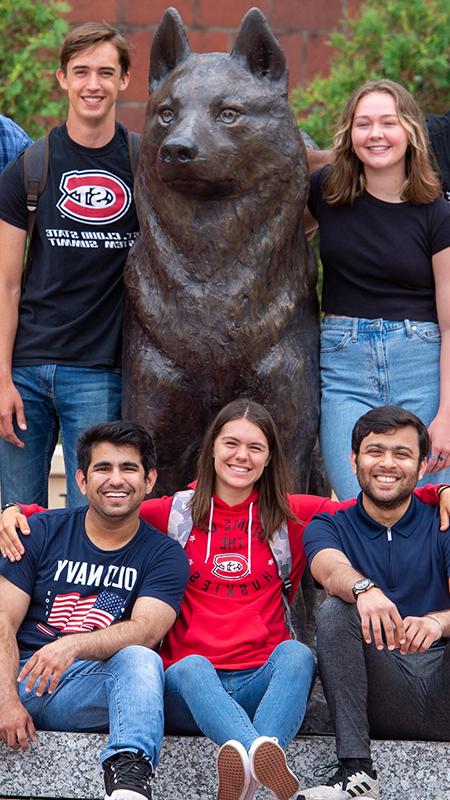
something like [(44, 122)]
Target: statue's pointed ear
[(258, 48), (170, 47)]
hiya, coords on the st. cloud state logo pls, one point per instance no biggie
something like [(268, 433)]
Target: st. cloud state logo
[(230, 566), (97, 197)]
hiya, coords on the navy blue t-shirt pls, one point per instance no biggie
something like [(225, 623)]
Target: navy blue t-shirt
[(410, 562), (76, 587)]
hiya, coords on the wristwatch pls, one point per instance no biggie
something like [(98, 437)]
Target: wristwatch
[(11, 505), (363, 585)]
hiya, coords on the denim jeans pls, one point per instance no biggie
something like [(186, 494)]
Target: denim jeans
[(241, 704), (56, 398), (367, 363), (123, 694)]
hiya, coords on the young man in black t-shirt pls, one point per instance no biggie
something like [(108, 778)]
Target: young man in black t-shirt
[(83, 610), (60, 331)]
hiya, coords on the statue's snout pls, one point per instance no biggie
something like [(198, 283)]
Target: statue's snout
[(179, 150)]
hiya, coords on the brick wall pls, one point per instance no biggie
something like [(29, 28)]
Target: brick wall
[(302, 27)]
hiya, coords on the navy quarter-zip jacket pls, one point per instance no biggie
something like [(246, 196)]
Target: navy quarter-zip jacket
[(410, 562)]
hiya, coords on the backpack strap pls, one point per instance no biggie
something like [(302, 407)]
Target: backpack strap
[(179, 527), (281, 551), (35, 171), (134, 143)]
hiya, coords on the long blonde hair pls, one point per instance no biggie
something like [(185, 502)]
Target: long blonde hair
[(346, 181)]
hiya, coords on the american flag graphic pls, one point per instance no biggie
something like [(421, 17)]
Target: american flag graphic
[(72, 613)]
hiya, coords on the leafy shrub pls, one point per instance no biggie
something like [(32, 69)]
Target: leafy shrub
[(407, 41), (31, 35)]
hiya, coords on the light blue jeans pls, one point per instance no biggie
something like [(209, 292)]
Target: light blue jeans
[(123, 694), (241, 704), (56, 398), (366, 363)]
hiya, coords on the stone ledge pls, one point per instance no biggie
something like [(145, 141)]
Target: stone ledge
[(66, 766)]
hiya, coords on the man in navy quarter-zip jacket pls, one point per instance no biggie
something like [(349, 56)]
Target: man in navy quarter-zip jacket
[(383, 632)]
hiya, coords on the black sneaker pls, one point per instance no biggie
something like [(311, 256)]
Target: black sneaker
[(128, 776), (343, 784)]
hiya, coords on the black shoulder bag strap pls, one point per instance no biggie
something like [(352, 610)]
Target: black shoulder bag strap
[(35, 170)]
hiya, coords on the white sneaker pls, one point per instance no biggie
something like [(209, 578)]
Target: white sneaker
[(342, 786), (233, 769), (269, 767)]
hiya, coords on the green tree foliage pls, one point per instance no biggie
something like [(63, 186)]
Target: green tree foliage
[(31, 34), (407, 41)]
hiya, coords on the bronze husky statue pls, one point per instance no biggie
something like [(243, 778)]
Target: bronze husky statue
[(220, 286)]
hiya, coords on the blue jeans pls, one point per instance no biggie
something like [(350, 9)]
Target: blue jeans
[(241, 704), (56, 398), (366, 363), (123, 694)]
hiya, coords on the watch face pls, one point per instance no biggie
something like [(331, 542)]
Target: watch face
[(362, 585)]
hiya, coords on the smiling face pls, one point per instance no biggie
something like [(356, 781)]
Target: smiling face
[(388, 467), (93, 80), (378, 138), (115, 483), (240, 454)]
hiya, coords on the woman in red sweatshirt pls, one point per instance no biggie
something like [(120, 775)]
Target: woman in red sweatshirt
[(232, 670)]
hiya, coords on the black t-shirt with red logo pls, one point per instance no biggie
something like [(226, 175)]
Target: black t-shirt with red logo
[(71, 305)]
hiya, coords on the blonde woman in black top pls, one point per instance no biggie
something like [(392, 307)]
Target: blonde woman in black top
[(385, 248)]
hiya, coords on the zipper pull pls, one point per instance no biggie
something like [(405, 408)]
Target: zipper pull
[(389, 534)]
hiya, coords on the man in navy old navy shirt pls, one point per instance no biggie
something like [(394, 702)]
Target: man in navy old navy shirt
[(383, 633), (83, 610)]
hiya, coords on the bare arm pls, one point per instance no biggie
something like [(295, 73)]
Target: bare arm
[(12, 248), (439, 428), (318, 158), (332, 569), (16, 725), (149, 623)]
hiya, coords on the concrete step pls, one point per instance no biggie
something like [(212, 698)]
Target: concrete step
[(63, 766)]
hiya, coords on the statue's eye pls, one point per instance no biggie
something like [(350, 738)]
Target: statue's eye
[(166, 115), (229, 115)]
